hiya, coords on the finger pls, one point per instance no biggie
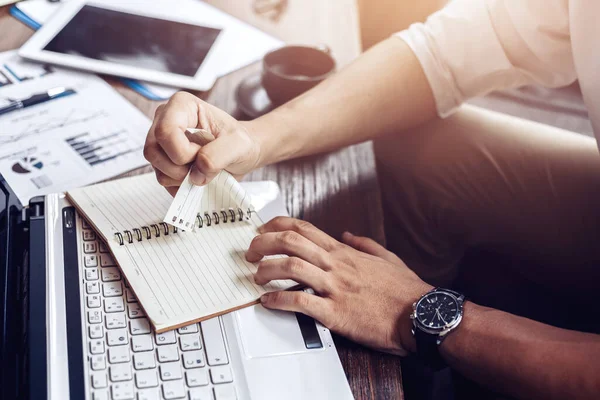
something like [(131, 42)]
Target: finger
[(369, 246), (215, 157), (172, 190), (304, 228), (288, 243), (295, 269), (160, 161), (182, 111), (166, 180), (298, 301), (199, 136)]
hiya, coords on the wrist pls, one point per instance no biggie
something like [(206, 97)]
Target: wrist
[(406, 325), (276, 142), (266, 140), (250, 130)]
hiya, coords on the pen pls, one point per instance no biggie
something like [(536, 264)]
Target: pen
[(50, 94)]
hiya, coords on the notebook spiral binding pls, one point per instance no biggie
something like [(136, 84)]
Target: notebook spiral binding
[(155, 230)]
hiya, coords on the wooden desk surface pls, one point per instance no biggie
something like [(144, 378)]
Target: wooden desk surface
[(336, 192)]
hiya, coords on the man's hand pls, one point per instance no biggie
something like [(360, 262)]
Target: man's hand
[(363, 291), (171, 153)]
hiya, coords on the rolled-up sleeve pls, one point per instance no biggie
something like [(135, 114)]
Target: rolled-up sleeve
[(472, 47)]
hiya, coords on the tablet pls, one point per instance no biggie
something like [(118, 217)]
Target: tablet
[(138, 43)]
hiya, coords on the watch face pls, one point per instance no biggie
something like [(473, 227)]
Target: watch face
[(437, 310)]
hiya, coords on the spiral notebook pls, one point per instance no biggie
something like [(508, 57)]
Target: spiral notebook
[(179, 276)]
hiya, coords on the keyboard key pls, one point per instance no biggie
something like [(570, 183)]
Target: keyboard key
[(196, 377), (112, 289), (120, 372), (213, 342), (85, 224), (118, 354), (95, 317), (134, 310), (117, 337), (106, 260), (166, 338), (100, 395), (173, 390), (170, 371), (142, 343), (97, 346), (91, 274), (114, 304), (204, 393), (98, 362), (221, 375), (193, 359), (225, 392), (94, 301), (123, 391), (92, 287), (148, 394), (190, 342), (103, 248), (146, 379), (188, 329), (89, 247), (130, 296), (96, 331), (139, 326), (99, 380), (110, 274), (90, 260), (167, 353), (144, 360), (115, 320), (89, 235)]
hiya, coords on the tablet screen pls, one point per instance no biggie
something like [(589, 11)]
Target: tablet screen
[(135, 40)]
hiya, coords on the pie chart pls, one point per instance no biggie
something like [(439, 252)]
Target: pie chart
[(27, 165)]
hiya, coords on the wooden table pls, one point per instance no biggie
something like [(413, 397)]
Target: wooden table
[(337, 191)]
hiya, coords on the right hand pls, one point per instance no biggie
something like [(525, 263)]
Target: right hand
[(172, 154)]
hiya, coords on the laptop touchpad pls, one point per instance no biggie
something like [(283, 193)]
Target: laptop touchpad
[(268, 333)]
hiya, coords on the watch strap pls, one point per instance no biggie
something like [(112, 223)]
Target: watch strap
[(428, 350)]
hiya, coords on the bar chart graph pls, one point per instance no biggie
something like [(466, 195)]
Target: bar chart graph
[(99, 149)]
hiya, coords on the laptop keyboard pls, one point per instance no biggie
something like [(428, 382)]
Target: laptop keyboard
[(127, 360)]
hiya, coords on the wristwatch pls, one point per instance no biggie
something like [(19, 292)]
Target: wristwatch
[(436, 314)]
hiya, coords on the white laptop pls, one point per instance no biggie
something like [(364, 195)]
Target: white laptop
[(89, 339)]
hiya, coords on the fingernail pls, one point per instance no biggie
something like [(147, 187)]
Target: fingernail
[(261, 229), (264, 298), (197, 177), (251, 256), (347, 236)]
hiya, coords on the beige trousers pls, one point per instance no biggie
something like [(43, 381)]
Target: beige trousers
[(484, 180)]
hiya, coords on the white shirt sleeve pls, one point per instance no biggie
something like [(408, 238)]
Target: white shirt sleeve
[(472, 47)]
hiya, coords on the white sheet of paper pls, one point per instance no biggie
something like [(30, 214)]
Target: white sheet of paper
[(223, 193), (68, 142)]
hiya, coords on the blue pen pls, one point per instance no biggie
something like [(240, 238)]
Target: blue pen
[(51, 94)]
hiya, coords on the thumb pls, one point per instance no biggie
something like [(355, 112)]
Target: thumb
[(214, 157), (369, 246)]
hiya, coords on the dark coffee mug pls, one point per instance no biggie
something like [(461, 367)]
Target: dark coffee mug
[(292, 70)]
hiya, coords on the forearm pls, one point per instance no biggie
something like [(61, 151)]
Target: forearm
[(384, 91), (525, 358)]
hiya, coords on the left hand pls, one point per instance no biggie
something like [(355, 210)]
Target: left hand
[(363, 291)]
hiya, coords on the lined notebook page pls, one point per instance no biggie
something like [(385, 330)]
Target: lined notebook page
[(222, 193), (180, 277)]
